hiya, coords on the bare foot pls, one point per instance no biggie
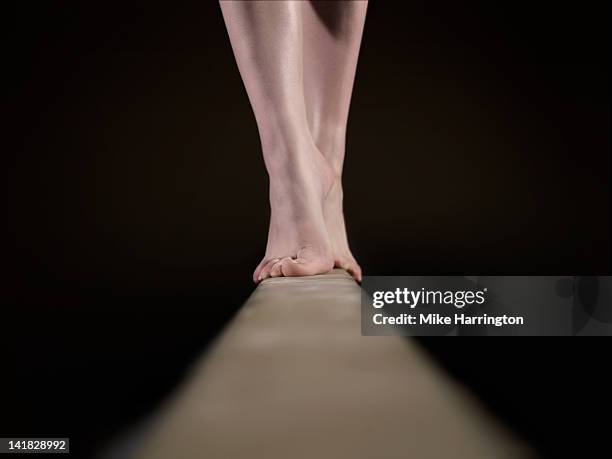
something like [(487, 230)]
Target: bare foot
[(298, 241), (336, 229)]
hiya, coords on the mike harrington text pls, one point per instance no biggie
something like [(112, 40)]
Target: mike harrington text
[(439, 319)]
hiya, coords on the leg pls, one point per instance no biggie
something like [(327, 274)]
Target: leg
[(332, 36), (267, 40)]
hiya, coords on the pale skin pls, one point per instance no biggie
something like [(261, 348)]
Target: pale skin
[(297, 60)]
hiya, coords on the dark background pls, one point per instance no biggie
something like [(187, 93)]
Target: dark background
[(136, 199)]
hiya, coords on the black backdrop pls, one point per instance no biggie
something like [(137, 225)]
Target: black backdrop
[(136, 202)]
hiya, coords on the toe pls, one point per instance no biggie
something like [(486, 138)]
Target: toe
[(277, 268), (264, 269), (354, 270), (257, 271), (351, 267)]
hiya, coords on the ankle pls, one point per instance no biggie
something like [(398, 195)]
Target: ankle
[(285, 160), (331, 143), (300, 171)]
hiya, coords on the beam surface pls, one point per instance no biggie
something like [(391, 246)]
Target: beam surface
[(292, 377)]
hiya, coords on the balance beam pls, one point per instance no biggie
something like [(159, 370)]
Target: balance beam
[(292, 377)]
